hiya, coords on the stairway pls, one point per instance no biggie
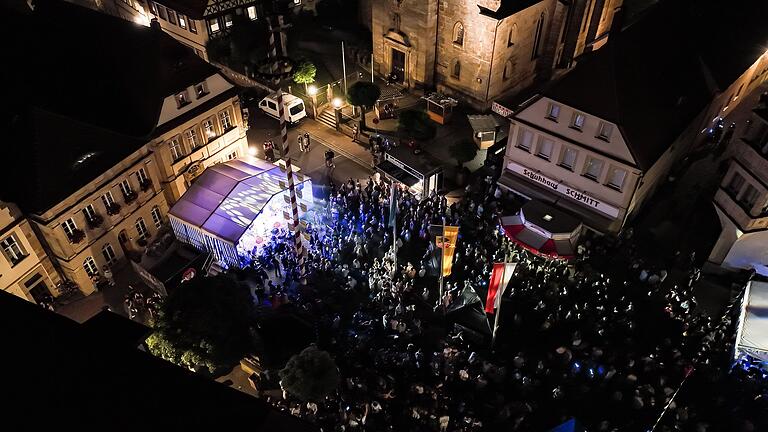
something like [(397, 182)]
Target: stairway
[(328, 118)]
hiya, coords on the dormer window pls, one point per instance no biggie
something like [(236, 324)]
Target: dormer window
[(578, 121), (604, 131), (553, 112), (201, 90), (182, 99)]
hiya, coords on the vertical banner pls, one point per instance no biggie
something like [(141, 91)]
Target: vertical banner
[(447, 242), (500, 276)]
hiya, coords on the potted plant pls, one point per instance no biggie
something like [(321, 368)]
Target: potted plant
[(130, 197), (113, 209), (95, 221), (76, 236), (145, 184), (463, 152)]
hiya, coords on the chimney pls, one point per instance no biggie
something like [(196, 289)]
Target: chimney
[(155, 24)]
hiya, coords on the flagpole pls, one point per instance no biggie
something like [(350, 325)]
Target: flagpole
[(393, 207), (442, 266)]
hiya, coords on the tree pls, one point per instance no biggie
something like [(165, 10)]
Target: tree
[(416, 124), (463, 151), (310, 375), (206, 321), (305, 74), (363, 94)]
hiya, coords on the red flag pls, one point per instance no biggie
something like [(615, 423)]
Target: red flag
[(500, 276)]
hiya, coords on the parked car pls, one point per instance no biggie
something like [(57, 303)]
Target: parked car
[(294, 107)]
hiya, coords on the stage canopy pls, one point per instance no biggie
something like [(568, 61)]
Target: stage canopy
[(231, 202), (543, 230), (752, 333)]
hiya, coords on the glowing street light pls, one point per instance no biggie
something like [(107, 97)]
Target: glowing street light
[(337, 102), (312, 90)]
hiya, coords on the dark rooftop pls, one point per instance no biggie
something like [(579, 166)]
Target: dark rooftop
[(86, 379), (507, 8), (194, 9), (88, 90), (649, 79)]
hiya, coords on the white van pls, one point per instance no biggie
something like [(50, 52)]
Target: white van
[(294, 107)]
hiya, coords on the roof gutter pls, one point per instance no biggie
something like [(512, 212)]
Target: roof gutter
[(490, 69)]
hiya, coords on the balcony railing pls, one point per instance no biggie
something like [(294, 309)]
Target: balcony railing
[(113, 209), (94, 221), (145, 184), (130, 196), (76, 236)]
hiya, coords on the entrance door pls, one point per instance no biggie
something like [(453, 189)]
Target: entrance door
[(398, 66), (40, 292)]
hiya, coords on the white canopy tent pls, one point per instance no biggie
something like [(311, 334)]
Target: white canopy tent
[(752, 333)]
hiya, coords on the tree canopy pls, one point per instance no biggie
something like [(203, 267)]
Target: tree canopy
[(310, 375), (463, 151), (416, 124), (305, 73), (363, 94), (206, 321)]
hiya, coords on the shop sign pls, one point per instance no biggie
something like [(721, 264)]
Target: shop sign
[(563, 189)]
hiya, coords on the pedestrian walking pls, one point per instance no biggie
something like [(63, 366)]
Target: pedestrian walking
[(269, 150), (306, 141), (109, 276), (355, 132)]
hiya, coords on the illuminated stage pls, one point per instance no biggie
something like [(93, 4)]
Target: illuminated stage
[(232, 209)]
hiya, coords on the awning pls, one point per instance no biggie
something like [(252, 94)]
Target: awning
[(543, 230), (397, 173)]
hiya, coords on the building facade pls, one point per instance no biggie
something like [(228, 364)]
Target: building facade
[(481, 50), (741, 201), (25, 269)]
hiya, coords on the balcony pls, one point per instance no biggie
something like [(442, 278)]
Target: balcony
[(145, 184), (94, 221), (76, 236), (113, 209), (205, 151), (130, 196)]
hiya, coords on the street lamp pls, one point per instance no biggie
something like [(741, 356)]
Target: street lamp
[(312, 90), (337, 102)]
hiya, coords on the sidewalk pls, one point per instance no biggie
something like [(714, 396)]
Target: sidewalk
[(338, 142)]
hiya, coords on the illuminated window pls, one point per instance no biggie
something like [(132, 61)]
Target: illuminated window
[(69, 227), (152, 7), (251, 11), (209, 130), (213, 26), (191, 137), (90, 267), (458, 34), (182, 21), (604, 131), (182, 99), (593, 169), (12, 249), (176, 150), (226, 121), (456, 70), (89, 212), (228, 20), (537, 37), (125, 187), (201, 89), (192, 26)]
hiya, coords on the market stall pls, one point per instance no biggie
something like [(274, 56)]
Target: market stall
[(543, 230)]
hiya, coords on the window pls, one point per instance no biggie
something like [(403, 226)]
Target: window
[(109, 254), (12, 250), (545, 148), (456, 70), (251, 11), (191, 137), (568, 158), (512, 35), (537, 37), (213, 26), (176, 150), (228, 20), (141, 229), (172, 17), (525, 140), (210, 132), (70, 227), (192, 26), (108, 200), (553, 112), (89, 264), (231, 156), (89, 212), (578, 121), (294, 110), (749, 197), (161, 12), (508, 68), (616, 179), (738, 92), (157, 218), (226, 121), (125, 186), (586, 17), (141, 175), (182, 21), (593, 169), (604, 132), (736, 183), (272, 106), (201, 90), (182, 99), (152, 7), (458, 34)]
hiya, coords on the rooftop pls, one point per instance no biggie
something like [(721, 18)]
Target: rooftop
[(76, 112)]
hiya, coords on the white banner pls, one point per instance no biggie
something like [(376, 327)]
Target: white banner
[(564, 189)]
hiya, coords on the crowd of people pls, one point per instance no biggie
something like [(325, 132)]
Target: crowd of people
[(608, 338)]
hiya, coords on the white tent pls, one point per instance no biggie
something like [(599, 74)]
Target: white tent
[(752, 333)]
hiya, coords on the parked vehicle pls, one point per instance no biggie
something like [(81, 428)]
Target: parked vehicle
[(294, 107)]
